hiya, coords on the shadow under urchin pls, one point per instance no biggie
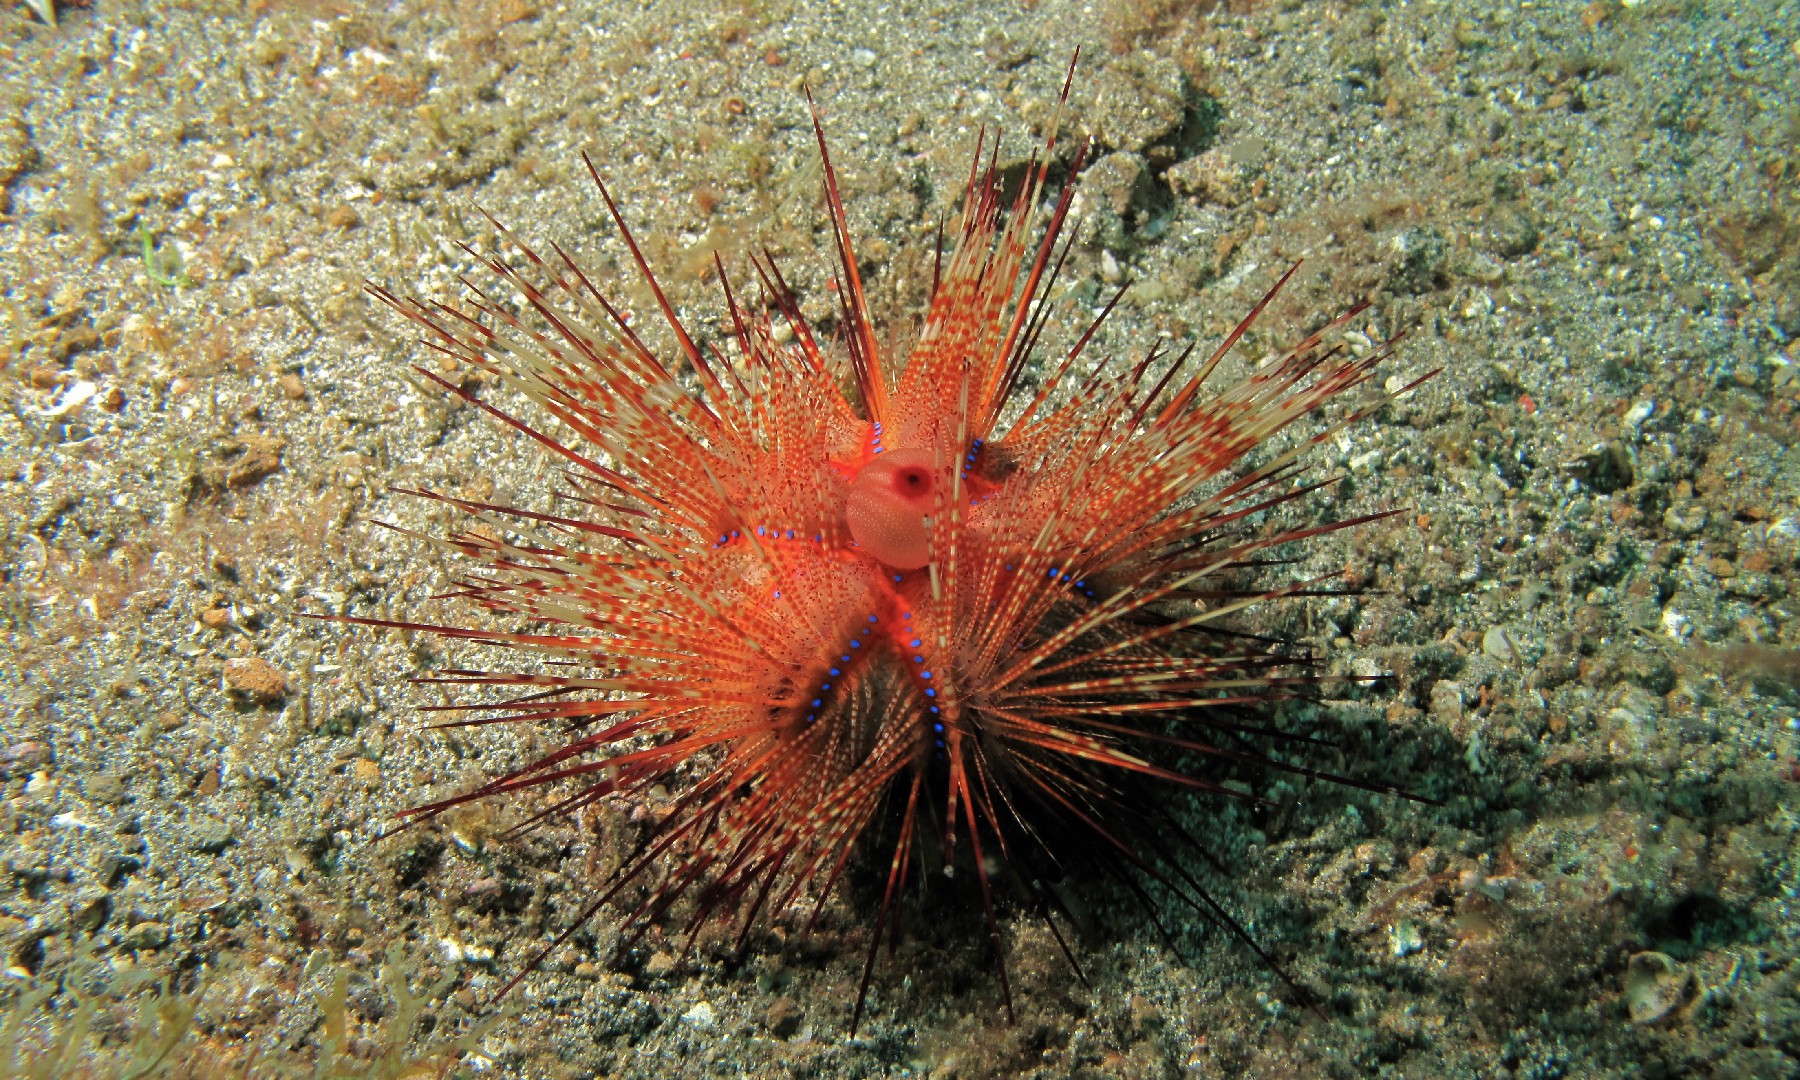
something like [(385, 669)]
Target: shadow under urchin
[(892, 616)]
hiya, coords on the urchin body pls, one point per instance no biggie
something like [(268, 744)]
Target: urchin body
[(833, 581)]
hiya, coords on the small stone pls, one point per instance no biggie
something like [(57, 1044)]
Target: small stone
[(1656, 986), (1214, 176), (366, 772), (1752, 586), (782, 1018), (1421, 256), (1116, 180), (343, 217), (1498, 644), (91, 914), (255, 678), (702, 1016), (1483, 268), (209, 835), (293, 387), (1508, 231), (261, 457), (1447, 702), (23, 758), (1404, 938), (1684, 519), (113, 400), (217, 617), (115, 867), (146, 936), (660, 963), (1110, 269), (104, 788)]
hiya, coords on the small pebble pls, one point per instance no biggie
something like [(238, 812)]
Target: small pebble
[(782, 1017), (701, 1016), (209, 835), (1655, 986), (146, 935), (1404, 938), (1109, 268), (1499, 645), (255, 678)]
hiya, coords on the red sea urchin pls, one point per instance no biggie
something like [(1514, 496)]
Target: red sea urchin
[(839, 589)]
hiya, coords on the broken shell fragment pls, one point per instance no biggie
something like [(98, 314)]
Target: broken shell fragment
[(1656, 986)]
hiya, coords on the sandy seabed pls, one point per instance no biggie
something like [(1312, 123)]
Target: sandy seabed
[(1585, 215)]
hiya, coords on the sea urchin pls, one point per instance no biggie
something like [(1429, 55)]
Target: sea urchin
[(836, 587)]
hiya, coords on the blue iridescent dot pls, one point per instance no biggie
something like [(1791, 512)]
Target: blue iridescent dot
[(777, 594), (873, 619), (934, 709), (818, 702), (924, 674), (908, 615), (790, 534), (846, 658), (723, 538), (918, 659), (896, 577), (835, 671), (824, 686), (929, 692), (916, 643), (855, 645), (939, 728), (759, 530)]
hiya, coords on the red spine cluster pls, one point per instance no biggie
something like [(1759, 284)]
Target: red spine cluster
[(834, 606)]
